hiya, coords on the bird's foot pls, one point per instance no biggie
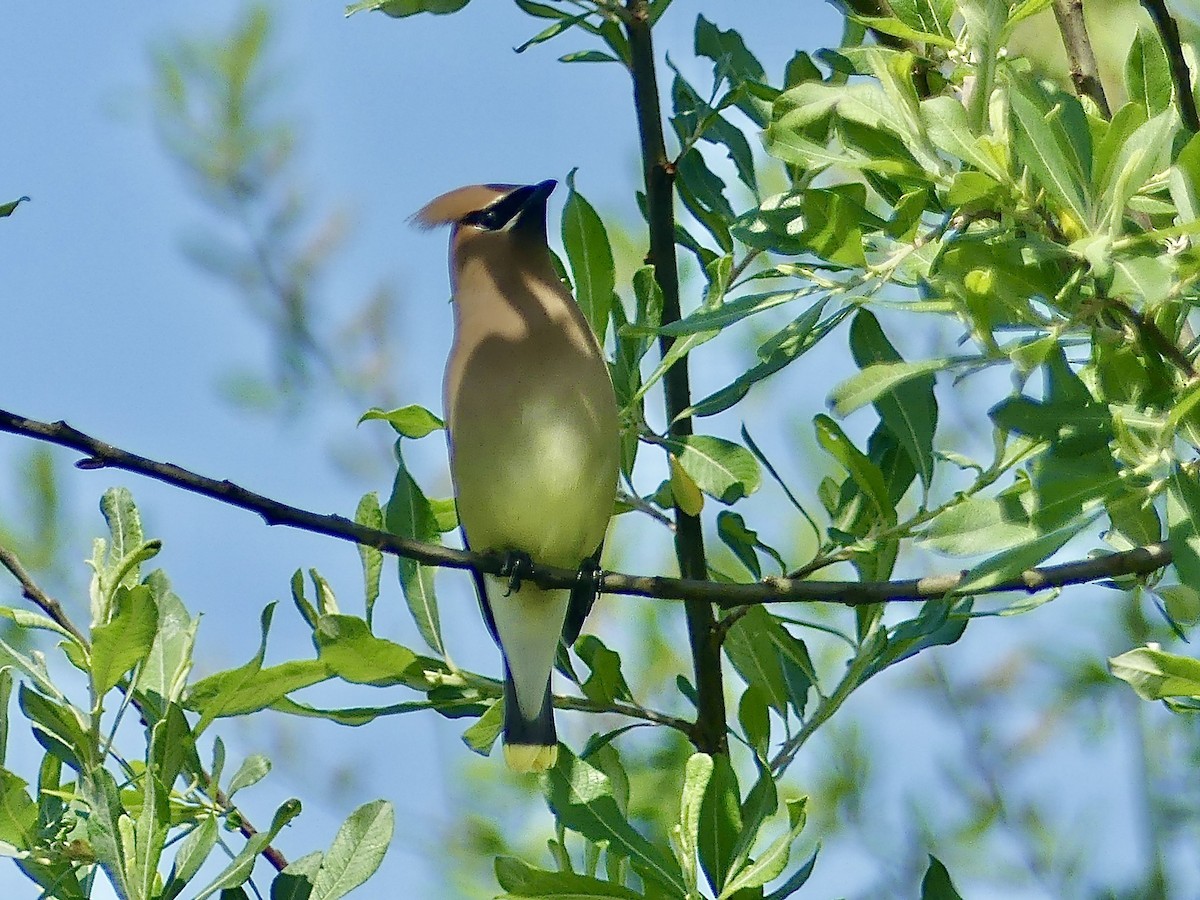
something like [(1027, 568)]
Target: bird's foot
[(590, 576), (516, 567)]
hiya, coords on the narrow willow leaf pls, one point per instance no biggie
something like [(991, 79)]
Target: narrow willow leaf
[(349, 651), (364, 715), (866, 386), (769, 864), (797, 879), (1041, 142), (1156, 674), (398, 9), (720, 822), (696, 774), (193, 850), (581, 798), (860, 468), (1183, 514), (104, 832), (238, 871), (411, 421), (936, 885), (166, 667), (410, 515), (751, 649), (590, 254), (254, 768), (125, 640), (778, 351), (1012, 562), (7, 209), (909, 409), (1147, 72), (356, 852), (684, 491), (722, 469), (482, 735), (523, 880), (945, 120), (296, 881), (370, 514)]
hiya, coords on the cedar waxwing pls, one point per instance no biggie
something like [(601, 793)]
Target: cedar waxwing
[(531, 421)]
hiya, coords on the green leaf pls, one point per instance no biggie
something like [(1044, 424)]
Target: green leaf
[(908, 409), (876, 380), (590, 254), (250, 687), (18, 813), (1147, 72), (193, 850), (591, 56), (1012, 562), (1156, 674), (720, 822), (238, 871), (945, 120), (755, 719), (927, 16), (523, 880), (105, 833), (696, 774), (58, 727), (361, 715), (296, 881), (409, 514), (740, 539), (1183, 514), (125, 640), (936, 885), (411, 421), (553, 31), (6, 209), (797, 879), (581, 798), (751, 648), (357, 850), (349, 650), (1046, 146), (865, 473), (370, 514), (769, 864), (778, 351), (481, 736), (254, 768), (605, 683), (166, 667), (981, 525), (398, 9), (722, 469)]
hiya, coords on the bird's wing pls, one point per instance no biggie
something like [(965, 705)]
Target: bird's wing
[(481, 596)]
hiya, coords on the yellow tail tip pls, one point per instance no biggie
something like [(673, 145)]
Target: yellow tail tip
[(530, 757)]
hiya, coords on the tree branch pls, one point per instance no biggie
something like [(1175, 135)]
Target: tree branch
[(1168, 30), (1085, 74), (52, 608), (1139, 561), (710, 730)]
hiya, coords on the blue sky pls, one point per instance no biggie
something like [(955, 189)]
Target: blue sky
[(105, 324)]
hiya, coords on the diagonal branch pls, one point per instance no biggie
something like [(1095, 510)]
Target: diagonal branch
[(1085, 74), (1137, 562), (1168, 30)]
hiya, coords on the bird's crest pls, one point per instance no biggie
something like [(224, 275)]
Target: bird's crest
[(456, 205)]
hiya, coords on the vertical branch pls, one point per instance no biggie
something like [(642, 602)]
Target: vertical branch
[(709, 732), (1084, 72), (1168, 30)]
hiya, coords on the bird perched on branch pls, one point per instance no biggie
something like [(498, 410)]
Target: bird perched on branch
[(534, 440)]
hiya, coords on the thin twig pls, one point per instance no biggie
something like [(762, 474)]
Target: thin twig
[(709, 735), (54, 609), (1139, 561), (1168, 30), (1085, 74)]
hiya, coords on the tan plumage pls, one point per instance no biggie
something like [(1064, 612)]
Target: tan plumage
[(532, 425)]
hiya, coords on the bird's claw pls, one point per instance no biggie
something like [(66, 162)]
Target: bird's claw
[(516, 567), (590, 575)]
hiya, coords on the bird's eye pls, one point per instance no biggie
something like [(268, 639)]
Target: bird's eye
[(487, 219)]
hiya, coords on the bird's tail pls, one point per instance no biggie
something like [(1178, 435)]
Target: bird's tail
[(530, 745)]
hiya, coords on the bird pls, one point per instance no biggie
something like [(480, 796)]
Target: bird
[(534, 440)]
